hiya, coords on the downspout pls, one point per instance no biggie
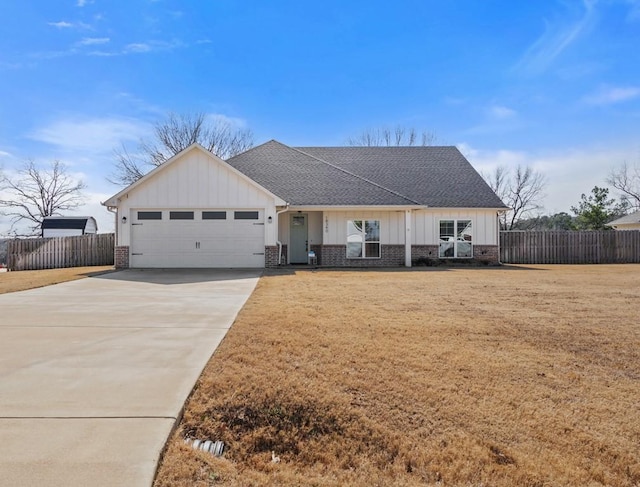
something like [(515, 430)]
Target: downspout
[(114, 210), (286, 208)]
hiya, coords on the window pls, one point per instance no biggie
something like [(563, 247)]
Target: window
[(181, 215), (456, 239), (149, 215), (214, 215), (245, 215), (363, 239)]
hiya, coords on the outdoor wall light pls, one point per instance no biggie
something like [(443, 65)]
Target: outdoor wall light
[(124, 220), (270, 219)]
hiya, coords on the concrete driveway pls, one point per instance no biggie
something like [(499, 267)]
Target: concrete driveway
[(93, 373)]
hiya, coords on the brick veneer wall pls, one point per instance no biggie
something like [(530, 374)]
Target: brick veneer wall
[(271, 256), (422, 252), (336, 256), (122, 257), (489, 254)]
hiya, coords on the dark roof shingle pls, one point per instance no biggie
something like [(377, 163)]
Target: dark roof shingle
[(64, 222), (430, 176)]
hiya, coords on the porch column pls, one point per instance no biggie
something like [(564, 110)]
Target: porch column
[(407, 238)]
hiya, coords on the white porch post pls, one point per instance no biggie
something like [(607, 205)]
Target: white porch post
[(407, 238)]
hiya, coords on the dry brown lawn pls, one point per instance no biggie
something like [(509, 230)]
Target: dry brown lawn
[(23, 280), (506, 376)]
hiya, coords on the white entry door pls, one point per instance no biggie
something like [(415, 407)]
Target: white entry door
[(197, 238)]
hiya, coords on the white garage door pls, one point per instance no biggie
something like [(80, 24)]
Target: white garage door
[(197, 238)]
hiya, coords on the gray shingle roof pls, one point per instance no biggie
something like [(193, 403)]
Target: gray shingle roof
[(431, 176), (627, 219)]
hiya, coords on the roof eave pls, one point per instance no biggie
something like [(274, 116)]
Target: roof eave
[(358, 207)]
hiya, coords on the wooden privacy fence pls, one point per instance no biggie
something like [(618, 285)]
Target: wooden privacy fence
[(54, 253), (566, 247)]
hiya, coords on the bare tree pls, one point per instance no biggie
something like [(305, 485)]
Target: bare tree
[(399, 136), (33, 194), (174, 134), (520, 189), (626, 179)]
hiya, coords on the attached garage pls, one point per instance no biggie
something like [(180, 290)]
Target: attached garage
[(195, 211), (197, 238)]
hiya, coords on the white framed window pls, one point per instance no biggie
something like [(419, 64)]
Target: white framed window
[(363, 239), (456, 239)]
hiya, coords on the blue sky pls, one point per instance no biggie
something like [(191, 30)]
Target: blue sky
[(550, 83)]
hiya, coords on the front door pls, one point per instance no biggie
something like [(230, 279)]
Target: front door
[(298, 239)]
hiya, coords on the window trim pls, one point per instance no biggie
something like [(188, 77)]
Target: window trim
[(456, 241), (364, 242)]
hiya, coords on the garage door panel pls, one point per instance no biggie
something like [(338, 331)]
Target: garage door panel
[(198, 243)]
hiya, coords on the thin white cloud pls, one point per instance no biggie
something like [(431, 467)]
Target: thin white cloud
[(103, 53), (612, 95), (93, 41), (150, 46), (500, 112), (498, 119), (98, 135), (557, 37), (61, 25), (82, 3), (137, 47)]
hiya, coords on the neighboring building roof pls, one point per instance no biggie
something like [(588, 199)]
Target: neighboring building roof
[(424, 176), (630, 219), (65, 222)]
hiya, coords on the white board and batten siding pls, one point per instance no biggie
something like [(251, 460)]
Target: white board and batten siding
[(196, 182), (425, 225), (391, 225)]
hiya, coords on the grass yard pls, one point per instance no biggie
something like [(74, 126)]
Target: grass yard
[(23, 280), (524, 376)]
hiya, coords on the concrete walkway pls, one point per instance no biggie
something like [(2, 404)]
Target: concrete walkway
[(93, 373)]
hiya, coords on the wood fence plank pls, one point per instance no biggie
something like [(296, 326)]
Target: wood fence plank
[(570, 247), (52, 253)]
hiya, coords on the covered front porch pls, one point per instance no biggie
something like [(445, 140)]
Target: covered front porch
[(344, 238)]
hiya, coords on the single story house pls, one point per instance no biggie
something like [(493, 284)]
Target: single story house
[(68, 226), (275, 204), (627, 222)]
